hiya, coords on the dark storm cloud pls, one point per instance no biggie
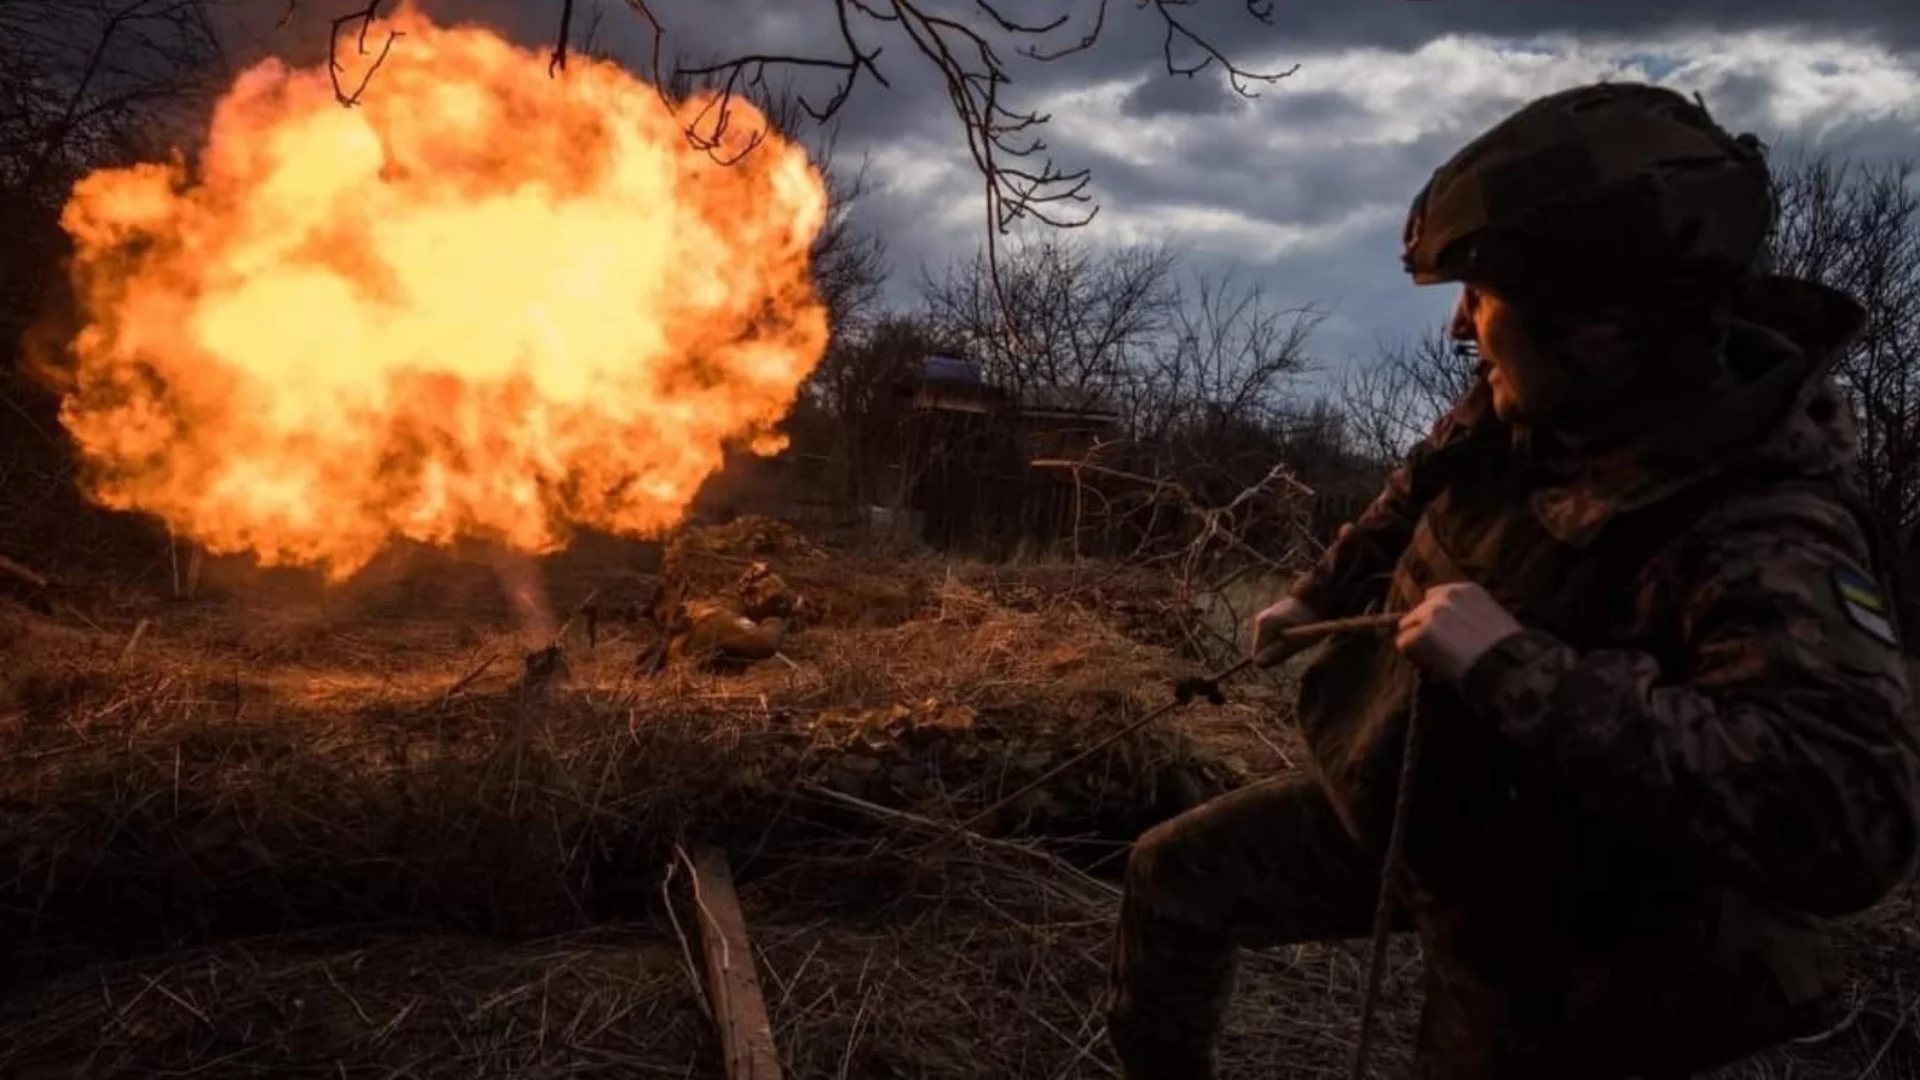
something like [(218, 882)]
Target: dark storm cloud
[(1296, 187), (1409, 23), (1307, 155), (1742, 95), (1136, 38), (1133, 40), (1182, 95), (1311, 107)]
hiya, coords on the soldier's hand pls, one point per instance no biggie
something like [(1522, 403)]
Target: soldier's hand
[(1269, 648), (1452, 627)]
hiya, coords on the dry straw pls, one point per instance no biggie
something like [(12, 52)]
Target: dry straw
[(280, 838)]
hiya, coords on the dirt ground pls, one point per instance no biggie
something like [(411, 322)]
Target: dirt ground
[(278, 829)]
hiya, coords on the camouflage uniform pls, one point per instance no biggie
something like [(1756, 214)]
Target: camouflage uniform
[(1629, 815), (1703, 733)]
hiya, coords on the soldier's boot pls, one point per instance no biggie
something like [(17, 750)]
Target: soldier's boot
[(1166, 998)]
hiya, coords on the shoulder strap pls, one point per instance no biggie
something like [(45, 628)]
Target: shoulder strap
[(1656, 526)]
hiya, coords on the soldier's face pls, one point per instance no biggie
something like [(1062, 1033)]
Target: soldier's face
[(1528, 384)]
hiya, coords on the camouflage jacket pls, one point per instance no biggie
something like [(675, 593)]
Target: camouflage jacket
[(1624, 812)]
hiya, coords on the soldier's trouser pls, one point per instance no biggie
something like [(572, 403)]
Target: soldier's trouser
[(1264, 866)]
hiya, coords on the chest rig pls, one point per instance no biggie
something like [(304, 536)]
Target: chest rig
[(1504, 840), (1482, 529)]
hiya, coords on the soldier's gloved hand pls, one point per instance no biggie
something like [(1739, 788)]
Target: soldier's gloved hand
[(1452, 627), (1269, 648)]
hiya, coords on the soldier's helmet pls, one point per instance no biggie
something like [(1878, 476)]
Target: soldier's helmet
[(1617, 194)]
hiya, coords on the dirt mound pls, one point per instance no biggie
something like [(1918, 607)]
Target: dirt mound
[(750, 537), (837, 590)]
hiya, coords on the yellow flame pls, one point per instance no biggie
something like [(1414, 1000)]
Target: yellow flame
[(484, 302)]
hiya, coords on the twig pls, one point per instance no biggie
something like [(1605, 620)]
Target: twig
[(365, 16), (943, 829), (30, 577), (1887, 1044), (133, 639), (559, 61), (467, 679), (1002, 140), (679, 933)]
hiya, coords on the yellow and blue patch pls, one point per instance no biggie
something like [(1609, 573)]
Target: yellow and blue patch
[(1866, 606)]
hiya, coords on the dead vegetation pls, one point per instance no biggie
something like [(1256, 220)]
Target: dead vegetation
[(286, 832)]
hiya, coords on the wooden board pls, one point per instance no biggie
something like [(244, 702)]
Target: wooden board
[(739, 1010)]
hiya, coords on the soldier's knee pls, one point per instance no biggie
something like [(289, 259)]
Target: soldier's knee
[(1167, 873), (1155, 855)]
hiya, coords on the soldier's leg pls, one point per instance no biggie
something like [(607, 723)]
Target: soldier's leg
[(1267, 865)]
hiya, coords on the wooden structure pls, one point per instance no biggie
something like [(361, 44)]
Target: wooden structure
[(733, 986), (965, 458), (1060, 424), (956, 452)]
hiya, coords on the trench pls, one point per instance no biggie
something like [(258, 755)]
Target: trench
[(223, 831)]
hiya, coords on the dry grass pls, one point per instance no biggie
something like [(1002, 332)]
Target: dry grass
[(290, 832)]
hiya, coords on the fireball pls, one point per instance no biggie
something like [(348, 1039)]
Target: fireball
[(482, 303)]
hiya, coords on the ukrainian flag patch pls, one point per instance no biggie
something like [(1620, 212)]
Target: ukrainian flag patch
[(1865, 604)]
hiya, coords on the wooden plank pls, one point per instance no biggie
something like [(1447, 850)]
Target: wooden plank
[(739, 1010)]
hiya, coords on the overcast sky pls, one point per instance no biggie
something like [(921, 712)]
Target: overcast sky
[(1304, 189)]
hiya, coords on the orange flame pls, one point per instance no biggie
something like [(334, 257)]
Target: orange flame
[(483, 303)]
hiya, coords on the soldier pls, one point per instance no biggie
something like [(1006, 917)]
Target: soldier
[(1664, 710)]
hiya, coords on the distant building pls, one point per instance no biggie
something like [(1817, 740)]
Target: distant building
[(1066, 422), (968, 444), (947, 383)]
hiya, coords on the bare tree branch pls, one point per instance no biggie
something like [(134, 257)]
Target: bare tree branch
[(365, 17), (1394, 401), (86, 83), (848, 259), (1062, 315), (1019, 181)]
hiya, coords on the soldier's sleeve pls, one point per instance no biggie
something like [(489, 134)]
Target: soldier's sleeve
[(1363, 553), (1784, 758)]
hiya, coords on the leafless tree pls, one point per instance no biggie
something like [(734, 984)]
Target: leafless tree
[(1187, 358), (85, 83), (1067, 316), (1318, 444), (1216, 406), (1856, 226), (849, 257), (1199, 369), (1227, 360), (1391, 402)]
